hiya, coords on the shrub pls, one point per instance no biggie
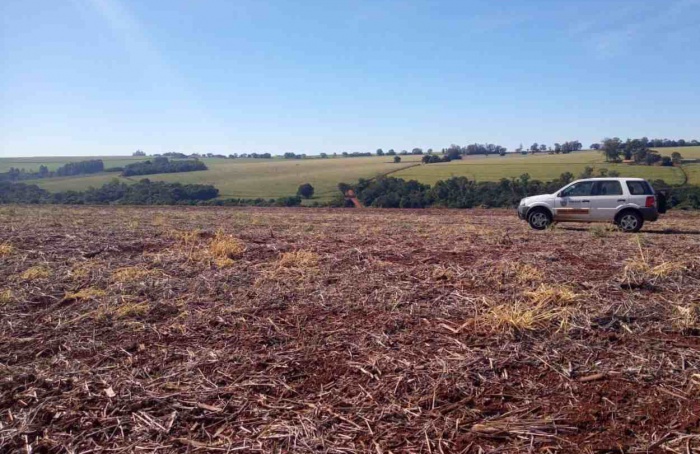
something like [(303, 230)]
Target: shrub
[(291, 201), (306, 191)]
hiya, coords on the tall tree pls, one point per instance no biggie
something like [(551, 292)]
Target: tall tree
[(611, 148)]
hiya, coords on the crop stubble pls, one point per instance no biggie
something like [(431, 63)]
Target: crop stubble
[(295, 330)]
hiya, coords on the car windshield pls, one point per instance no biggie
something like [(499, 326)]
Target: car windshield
[(582, 188)]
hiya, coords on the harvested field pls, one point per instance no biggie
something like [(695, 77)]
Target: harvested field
[(299, 330)]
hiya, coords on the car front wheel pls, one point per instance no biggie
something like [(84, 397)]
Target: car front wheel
[(539, 219), (629, 221)]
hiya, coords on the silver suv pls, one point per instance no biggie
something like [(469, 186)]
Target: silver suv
[(627, 202)]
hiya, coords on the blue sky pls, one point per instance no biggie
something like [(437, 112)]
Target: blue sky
[(99, 77)]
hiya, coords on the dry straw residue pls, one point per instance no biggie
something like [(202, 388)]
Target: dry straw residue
[(36, 272), (6, 297), (6, 249), (298, 260), (85, 294), (130, 310), (522, 316), (131, 274), (226, 246), (687, 318), (551, 295), (638, 273), (225, 249)]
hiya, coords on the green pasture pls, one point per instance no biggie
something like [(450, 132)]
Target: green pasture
[(540, 167), (267, 178)]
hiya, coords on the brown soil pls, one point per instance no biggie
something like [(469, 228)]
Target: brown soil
[(380, 331)]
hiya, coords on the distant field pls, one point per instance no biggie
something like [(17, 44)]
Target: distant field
[(55, 162), (259, 178), (252, 178), (686, 152), (540, 167)]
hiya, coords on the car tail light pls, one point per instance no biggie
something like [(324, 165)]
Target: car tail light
[(651, 200)]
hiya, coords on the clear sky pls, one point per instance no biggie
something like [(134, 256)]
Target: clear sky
[(98, 77)]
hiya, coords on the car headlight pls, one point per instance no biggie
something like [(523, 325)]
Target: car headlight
[(522, 202)]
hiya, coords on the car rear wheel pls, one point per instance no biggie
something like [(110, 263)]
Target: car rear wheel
[(629, 221), (539, 219)]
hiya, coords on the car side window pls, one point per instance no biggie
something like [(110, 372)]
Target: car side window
[(609, 188), (638, 188), (583, 188)]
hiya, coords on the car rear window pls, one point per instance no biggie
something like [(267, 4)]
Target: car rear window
[(609, 188), (639, 188)]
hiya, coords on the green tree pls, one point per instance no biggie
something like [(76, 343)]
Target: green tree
[(306, 191), (676, 158), (397, 159), (380, 152), (611, 149)]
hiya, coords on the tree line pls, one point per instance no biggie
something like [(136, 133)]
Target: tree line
[(461, 192), (69, 169), (144, 192), (386, 192), (472, 149), (162, 165)]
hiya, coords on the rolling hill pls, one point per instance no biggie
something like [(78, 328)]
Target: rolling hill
[(253, 178)]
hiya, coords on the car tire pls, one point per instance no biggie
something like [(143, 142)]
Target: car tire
[(539, 218), (629, 221)]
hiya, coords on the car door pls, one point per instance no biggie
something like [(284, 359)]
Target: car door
[(573, 203), (606, 199)]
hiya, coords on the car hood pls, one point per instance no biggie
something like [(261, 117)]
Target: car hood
[(537, 198)]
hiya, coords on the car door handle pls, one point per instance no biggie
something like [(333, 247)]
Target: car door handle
[(585, 201), (622, 200)]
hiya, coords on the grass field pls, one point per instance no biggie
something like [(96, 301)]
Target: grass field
[(55, 162), (686, 152), (540, 167), (195, 330), (259, 178), (250, 178)]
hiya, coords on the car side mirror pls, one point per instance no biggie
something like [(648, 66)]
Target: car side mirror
[(558, 194)]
